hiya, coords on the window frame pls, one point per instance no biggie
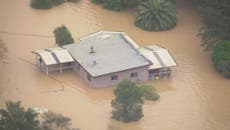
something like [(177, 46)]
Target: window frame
[(133, 74), (114, 77)]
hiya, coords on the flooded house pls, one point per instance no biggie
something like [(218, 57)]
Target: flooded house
[(105, 58)]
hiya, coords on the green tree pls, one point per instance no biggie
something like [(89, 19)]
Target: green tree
[(41, 4), (47, 4), (221, 58), (15, 117), (127, 106), (63, 36), (73, 1), (53, 121), (149, 92), (97, 1), (113, 4), (58, 2), (117, 5), (156, 15), (215, 16)]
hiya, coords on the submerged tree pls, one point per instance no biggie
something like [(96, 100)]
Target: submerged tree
[(156, 15), (221, 58), (47, 4), (149, 92), (57, 2), (41, 4), (215, 16), (53, 121), (63, 36), (117, 4), (127, 106), (15, 117)]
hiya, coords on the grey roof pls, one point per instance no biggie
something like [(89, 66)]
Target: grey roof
[(62, 55), (54, 55), (160, 57), (46, 56), (113, 52)]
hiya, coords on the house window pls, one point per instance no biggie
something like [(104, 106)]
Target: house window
[(133, 74), (88, 77), (114, 77)]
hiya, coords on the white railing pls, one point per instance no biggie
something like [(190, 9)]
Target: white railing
[(161, 74)]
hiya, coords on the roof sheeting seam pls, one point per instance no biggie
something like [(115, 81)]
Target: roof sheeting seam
[(159, 59), (54, 56), (46, 57)]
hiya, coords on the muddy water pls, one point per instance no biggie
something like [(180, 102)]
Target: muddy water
[(194, 98)]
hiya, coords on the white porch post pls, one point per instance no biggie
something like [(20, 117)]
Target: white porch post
[(61, 68), (47, 70)]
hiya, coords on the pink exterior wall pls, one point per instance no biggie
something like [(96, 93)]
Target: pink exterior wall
[(105, 81)]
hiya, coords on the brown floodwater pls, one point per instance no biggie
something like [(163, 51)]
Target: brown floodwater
[(196, 97)]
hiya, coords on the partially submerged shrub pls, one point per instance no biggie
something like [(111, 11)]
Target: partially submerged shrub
[(41, 4), (113, 4), (128, 102), (149, 92), (74, 1), (156, 15), (47, 4), (221, 58), (57, 2), (215, 21), (53, 121), (16, 117), (117, 5), (63, 36), (97, 1)]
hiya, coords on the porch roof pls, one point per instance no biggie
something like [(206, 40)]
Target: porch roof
[(61, 54), (46, 56), (160, 57), (54, 55)]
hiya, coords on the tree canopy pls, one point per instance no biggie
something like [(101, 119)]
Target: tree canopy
[(127, 106), (215, 18), (63, 36), (153, 15), (53, 121), (221, 58), (41, 4), (156, 15), (15, 117), (47, 4), (149, 92), (117, 4)]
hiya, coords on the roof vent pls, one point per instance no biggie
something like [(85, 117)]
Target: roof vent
[(91, 50), (94, 62)]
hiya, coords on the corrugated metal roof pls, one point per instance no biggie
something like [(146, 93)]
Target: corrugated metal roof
[(160, 57), (155, 48), (111, 53), (149, 55), (166, 58), (46, 56), (62, 55), (55, 55)]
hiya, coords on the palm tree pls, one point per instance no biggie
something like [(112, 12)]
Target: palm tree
[(156, 15)]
